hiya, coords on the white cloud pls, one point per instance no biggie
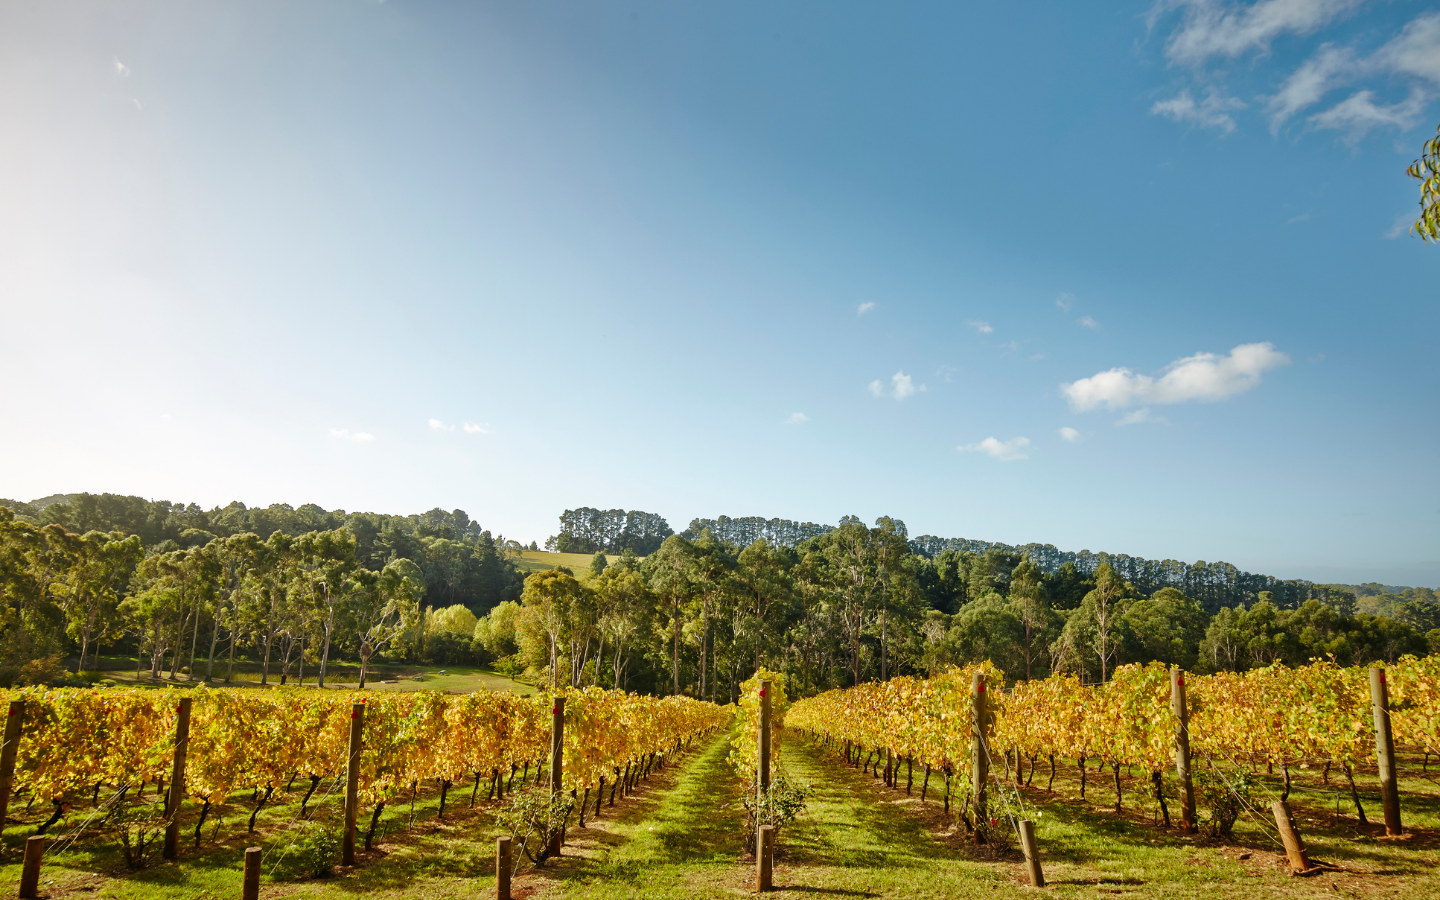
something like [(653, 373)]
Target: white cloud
[(864, 308), (1330, 67), (441, 426), (1415, 50), (1087, 322), (121, 69), (1204, 377), (1303, 217), (1212, 112), (901, 386), (982, 327), (1069, 434), (797, 418), (476, 427), (1065, 301), (1210, 29), (1140, 416), (1357, 114), (1004, 451), (346, 435), (138, 107), (1403, 223)]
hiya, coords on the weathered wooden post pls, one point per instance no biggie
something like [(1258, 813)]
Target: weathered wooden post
[(979, 753), (557, 764), (1294, 847), (30, 873), (1032, 854), (503, 866), (766, 849), (1182, 751), (250, 887), (13, 722), (764, 834), (1385, 750), (352, 783), (177, 780)]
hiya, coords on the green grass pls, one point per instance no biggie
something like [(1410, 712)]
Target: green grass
[(680, 837), (340, 676), (579, 563)]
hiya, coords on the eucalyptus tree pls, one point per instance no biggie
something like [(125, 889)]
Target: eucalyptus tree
[(851, 552), (550, 597), (671, 577), (626, 610), (100, 566), (321, 565), (382, 607), (1038, 621)]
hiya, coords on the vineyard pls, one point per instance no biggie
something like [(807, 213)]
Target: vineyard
[(85, 755), (1317, 716), (78, 744)]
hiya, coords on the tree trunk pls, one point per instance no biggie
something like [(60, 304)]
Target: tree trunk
[(214, 640), (329, 630)]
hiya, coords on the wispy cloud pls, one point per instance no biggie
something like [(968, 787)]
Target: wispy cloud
[(1359, 113), (1209, 29), (343, 434), (862, 309), (1415, 51), (1139, 417), (121, 69), (901, 386), (797, 418), (1403, 223), (1303, 217), (982, 327), (1065, 301), (1205, 377), (1005, 451), (947, 372), (1069, 434), (1212, 112), (138, 107), (1087, 322), (476, 427), (1330, 67), (441, 426)]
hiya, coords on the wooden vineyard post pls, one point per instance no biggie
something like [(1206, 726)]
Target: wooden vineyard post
[(1385, 750), (765, 850), (30, 874), (13, 721), (352, 783), (503, 865), (1032, 854), (557, 764), (177, 780), (250, 887), (979, 754), (764, 834), (1182, 751), (1294, 847)]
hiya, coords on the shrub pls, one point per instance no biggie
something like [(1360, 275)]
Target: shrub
[(533, 818), (1226, 796), (310, 853), (139, 828), (779, 806)]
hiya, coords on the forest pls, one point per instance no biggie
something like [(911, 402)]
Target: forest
[(181, 590)]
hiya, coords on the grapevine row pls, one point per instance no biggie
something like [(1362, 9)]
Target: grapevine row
[(1315, 714), (75, 740)]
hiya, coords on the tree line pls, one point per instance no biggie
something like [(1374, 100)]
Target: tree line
[(283, 587), (696, 615), (856, 603)]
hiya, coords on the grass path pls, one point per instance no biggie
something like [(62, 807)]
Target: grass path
[(858, 838)]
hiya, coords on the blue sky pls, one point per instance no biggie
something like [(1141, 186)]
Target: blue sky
[(1129, 278)]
